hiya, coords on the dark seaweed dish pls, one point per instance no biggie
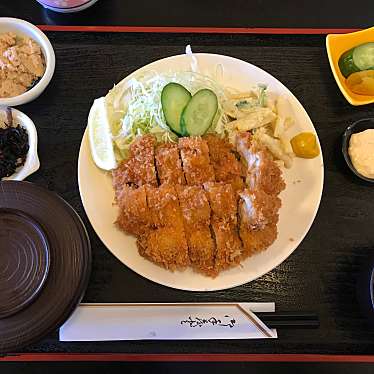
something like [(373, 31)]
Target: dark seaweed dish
[(14, 145)]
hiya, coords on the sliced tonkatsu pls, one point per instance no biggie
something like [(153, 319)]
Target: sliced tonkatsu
[(258, 216), (227, 168), (258, 209), (222, 201), (166, 247), (196, 216), (257, 240), (165, 243), (164, 206), (169, 164), (259, 203), (139, 169), (199, 202), (224, 223), (262, 172), (134, 215), (229, 246), (196, 161)]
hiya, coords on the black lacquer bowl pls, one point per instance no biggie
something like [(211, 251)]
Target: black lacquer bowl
[(45, 263), (355, 127)]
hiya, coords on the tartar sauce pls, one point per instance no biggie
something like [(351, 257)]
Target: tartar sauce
[(361, 152)]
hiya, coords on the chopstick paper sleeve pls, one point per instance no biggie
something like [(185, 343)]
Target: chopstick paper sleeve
[(101, 322)]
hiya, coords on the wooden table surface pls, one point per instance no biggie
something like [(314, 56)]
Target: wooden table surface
[(319, 276)]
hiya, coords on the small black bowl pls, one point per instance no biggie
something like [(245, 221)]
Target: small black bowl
[(365, 289), (355, 127)]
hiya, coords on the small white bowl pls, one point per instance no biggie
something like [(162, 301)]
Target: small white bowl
[(32, 163), (24, 28)]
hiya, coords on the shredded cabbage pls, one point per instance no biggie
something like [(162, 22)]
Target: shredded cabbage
[(134, 107)]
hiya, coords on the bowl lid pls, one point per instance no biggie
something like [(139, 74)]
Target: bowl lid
[(50, 261), (24, 260)]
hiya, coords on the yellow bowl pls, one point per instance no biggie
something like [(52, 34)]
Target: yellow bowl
[(336, 45)]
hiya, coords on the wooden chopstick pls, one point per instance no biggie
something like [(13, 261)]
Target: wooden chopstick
[(290, 320)]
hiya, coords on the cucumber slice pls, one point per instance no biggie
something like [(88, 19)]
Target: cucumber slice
[(346, 64), (357, 59), (174, 98), (198, 115), (363, 56)]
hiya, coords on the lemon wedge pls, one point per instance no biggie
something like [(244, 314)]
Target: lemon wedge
[(100, 136)]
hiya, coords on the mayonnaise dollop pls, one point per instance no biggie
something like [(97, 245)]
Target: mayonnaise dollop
[(361, 152)]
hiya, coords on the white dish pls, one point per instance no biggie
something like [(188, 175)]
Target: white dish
[(300, 200), (24, 28), (32, 163)]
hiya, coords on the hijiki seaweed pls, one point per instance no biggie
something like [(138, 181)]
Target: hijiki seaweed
[(14, 145)]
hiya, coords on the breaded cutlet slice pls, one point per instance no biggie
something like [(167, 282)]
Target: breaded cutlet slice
[(224, 223), (139, 168), (202, 250), (256, 240), (194, 205), (166, 247), (134, 215), (258, 209), (227, 168), (196, 218), (197, 167), (228, 244), (222, 201), (169, 164), (164, 206), (262, 172), (122, 176), (164, 244)]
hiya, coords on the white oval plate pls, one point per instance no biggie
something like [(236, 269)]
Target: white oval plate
[(300, 200)]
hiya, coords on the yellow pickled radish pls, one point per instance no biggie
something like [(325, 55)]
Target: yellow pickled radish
[(362, 82), (305, 145)]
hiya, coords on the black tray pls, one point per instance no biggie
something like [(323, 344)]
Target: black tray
[(319, 276)]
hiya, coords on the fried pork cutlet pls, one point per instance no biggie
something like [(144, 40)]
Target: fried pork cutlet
[(258, 214), (227, 168), (169, 165), (196, 217), (258, 209), (228, 244), (256, 240), (192, 218), (164, 244), (139, 168), (224, 223), (134, 215), (164, 206), (222, 201), (195, 206), (263, 173), (196, 161)]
